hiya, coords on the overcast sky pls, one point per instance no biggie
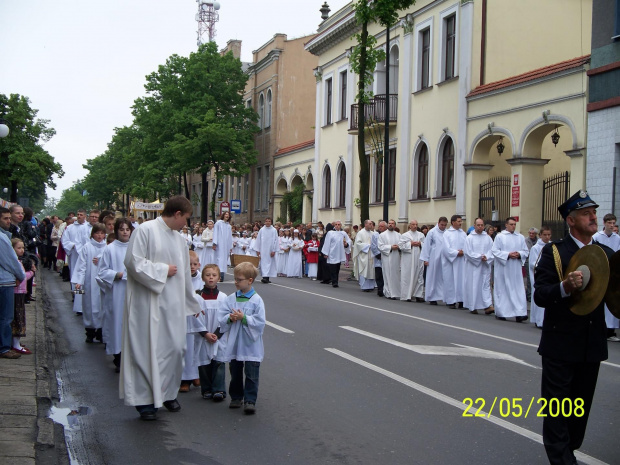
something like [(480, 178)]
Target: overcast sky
[(82, 63)]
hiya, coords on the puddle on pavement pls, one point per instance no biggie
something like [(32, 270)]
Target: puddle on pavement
[(68, 417)]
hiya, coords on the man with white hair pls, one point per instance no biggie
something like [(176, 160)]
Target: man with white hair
[(334, 250), (390, 261), (478, 259), (411, 268), (431, 256), (453, 263), (364, 258)]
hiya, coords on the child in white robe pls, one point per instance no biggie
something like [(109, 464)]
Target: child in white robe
[(112, 278), (209, 343), (242, 316), (84, 277), (294, 262), (190, 370)]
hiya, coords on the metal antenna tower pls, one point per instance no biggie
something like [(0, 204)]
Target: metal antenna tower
[(206, 17)]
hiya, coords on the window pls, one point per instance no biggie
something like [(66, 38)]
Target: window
[(426, 58), (238, 196), (327, 187), (257, 195), (342, 185), (450, 46), (423, 172), (261, 110), (343, 95), (246, 193), (266, 188), (447, 168), (328, 101), (392, 175), (378, 180), (268, 113)]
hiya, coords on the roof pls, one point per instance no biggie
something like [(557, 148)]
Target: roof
[(293, 148), (531, 75)]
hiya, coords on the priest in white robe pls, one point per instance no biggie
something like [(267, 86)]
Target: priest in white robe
[(74, 238), (222, 243), (478, 260), (337, 242), (208, 255), (266, 247), (611, 239), (159, 297), (431, 256), (453, 263), (537, 314), (390, 261), (411, 268), (363, 258), (510, 253)]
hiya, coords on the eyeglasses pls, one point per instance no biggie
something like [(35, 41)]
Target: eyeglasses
[(237, 280)]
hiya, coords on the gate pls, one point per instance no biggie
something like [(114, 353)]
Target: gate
[(555, 193), (494, 196)]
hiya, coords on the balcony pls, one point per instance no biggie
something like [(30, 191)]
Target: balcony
[(375, 110)]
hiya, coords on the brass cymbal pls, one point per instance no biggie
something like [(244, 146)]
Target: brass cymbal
[(585, 301), (612, 296)]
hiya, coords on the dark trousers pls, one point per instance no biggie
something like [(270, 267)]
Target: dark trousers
[(212, 377), (379, 280), (237, 389), (334, 271), (566, 380), (29, 288)]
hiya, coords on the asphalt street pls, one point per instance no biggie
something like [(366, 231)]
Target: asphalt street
[(348, 378)]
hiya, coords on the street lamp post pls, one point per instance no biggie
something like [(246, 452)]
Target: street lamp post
[(386, 137)]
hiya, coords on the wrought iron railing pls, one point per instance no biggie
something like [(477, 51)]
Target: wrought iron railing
[(375, 111)]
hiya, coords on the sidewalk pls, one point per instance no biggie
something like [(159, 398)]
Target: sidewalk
[(25, 396)]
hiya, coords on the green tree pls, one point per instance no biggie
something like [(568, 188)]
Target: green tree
[(73, 199), (26, 165), (364, 58)]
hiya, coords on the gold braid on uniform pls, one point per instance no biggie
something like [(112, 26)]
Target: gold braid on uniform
[(558, 262)]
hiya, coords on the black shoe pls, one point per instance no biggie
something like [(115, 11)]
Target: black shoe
[(219, 397), (419, 299), (264, 280), (326, 282), (172, 405), (335, 285), (380, 294), (519, 319), (235, 403), (249, 408), (451, 306), (433, 302), (89, 339), (78, 313), (148, 415), (500, 318)]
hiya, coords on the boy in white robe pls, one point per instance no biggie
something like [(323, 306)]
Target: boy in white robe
[(537, 314), (267, 245), (112, 276), (84, 277), (159, 297), (242, 316), (190, 368), (478, 260)]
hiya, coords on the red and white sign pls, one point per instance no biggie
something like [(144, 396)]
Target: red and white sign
[(515, 180), (224, 207), (516, 195)]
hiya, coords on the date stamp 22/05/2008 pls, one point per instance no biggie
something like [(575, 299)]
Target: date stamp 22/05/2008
[(518, 407)]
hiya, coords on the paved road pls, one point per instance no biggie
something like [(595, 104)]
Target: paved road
[(348, 378)]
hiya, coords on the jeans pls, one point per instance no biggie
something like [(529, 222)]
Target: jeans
[(212, 377), (237, 389), (7, 299)]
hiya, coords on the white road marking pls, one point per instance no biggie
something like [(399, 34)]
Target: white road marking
[(473, 331), (279, 328), (458, 404), (461, 350)]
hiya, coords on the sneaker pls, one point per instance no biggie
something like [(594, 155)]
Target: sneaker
[(614, 339), (218, 397), (249, 408), (207, 395), (10, 354), (235, 403)]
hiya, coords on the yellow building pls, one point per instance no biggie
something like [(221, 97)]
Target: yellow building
[(464, 76)]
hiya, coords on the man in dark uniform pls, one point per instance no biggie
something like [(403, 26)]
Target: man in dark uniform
[(572, 347)]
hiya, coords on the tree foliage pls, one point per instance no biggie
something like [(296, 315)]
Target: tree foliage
[(26, 166), (364, 59), (72, 200)]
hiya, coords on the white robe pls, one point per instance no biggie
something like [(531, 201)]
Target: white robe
[(390, 261), (334, 248), (188, 238), (477, 285), (204, 351), (282, 255), (453, 266), (113, 305), (266, 244), (199, 248), (411, 268), (74, 237), (365, 262), (431, 253), (613, 242), (245, 341), (537, 314), (85, 274), (190, 368), (508, 287), (222, 239), (293, 263), (208, 254), (154, 323)]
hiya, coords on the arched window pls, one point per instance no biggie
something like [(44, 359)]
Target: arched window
[(447, 168), (261, 110), (423, 172), (342, 185), (268, 114), (327, 187)]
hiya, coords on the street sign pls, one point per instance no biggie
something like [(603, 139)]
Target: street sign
[(516, 195), (224, 207), (235, 206)]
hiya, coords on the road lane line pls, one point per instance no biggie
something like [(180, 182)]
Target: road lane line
[(460, 328), (458, 404), (279, 328)]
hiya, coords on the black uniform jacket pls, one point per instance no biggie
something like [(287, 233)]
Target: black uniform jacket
[(567, 336)]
